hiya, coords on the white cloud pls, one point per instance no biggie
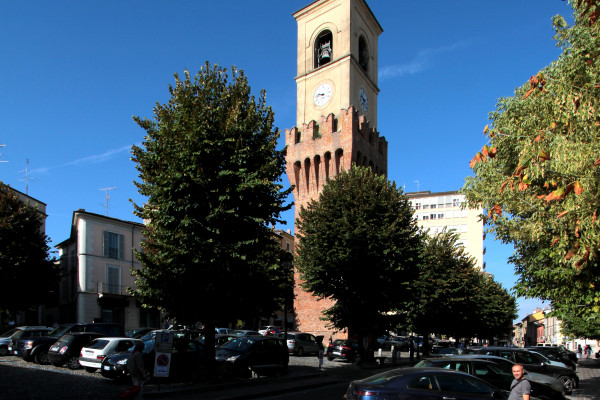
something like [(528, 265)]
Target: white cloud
[(420, 63), (93, 159)]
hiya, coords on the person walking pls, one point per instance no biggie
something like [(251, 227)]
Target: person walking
[(520, 388), (135, 366), (579, 352)]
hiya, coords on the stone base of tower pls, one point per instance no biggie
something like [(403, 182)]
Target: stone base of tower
[(308, 311)]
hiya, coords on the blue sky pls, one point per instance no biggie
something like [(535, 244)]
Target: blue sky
[(73, 73)]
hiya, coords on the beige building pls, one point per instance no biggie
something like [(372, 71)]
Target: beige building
[(436, 211), (95, 266)]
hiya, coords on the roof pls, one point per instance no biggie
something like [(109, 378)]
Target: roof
[(427, 193)]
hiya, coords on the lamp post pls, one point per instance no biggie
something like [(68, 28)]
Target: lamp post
[(287, 267)]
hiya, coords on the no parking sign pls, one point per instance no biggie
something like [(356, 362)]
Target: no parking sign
[(162, 363)]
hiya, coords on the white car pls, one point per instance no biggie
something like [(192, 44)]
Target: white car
[(264, 329), (93, 353)]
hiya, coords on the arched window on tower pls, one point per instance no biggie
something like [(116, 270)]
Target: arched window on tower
[(307, 174), (327, 162), (317, 165), (323, 48), (363, 53), (339, 161), (297, 169)]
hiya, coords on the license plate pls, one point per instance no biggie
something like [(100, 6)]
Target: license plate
[(89, 353), (54, 348), (106, 367)]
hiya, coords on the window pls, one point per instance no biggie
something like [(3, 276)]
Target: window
[(425, 216), (433, 206), (463, 228), (456, 201), (448, 214), (456, 214), (464, 213), (113, 279), (323, 49), (441, 201), (287, 246), (114, 244), (448, 201), (363, 53), (423, 383), (432, 216), (440, 215), (417, 205)]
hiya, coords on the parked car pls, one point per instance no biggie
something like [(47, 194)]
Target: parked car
[(571, 355), (498, 375), (223, 331), (23, 343), (68, 347), (508, 364), (264, 329), (343, 349), (187, 353), (263, 355), (399, 343), (139, 332), (93, 353), (36, 349), (300, 343), (555, 354), (6, 338), (423, 383), (245, 332), (444, 351), (535, 362)]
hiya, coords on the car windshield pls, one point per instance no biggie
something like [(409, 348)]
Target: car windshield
[(9, 333), (66, 339), (59, 330), (240, 344), (18, 334), (97, 344)]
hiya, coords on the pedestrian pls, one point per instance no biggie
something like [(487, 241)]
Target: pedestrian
[(579, 352), (135, 366), (587, 351), (520, 388), (411, 348)]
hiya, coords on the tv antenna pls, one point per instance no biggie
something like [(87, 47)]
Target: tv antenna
[(418, 184), (27, 177), (107, 197)]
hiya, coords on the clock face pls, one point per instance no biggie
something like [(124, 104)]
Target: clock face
[(363, 100), (322, 94)]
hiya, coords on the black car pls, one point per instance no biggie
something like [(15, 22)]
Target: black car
[(535, 362), (187, 353), (36, 349), (423, 384), (343, 349), (22, 342), (555, 353), (263, 355), (498, 375), (8, 339), (67, 348)]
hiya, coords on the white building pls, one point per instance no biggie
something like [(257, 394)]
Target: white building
[(436, 211), (95, 264)]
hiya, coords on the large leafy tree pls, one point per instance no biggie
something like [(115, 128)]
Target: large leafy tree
[(539, 174), (452, 297), (210, 170), (359, 246), (27, 272)]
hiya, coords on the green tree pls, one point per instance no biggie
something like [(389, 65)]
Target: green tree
[(27, 272), (452, 297), (360, 246), (538, 175), (210, 171)]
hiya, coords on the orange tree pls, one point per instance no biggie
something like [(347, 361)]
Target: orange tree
[(538, 176)]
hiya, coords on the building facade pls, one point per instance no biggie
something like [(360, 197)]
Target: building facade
[(95, 270), (336, 120), (444, 210)]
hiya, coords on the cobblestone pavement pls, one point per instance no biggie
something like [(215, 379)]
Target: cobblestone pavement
[(588, 371)]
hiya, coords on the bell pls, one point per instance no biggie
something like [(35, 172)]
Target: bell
[(325, 53)]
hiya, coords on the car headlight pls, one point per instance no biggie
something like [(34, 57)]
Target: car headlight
[(232, 358), (122, 362), (28, 344)]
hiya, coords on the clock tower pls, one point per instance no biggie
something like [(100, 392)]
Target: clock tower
[(336, 116)]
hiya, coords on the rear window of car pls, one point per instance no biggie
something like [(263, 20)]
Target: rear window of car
[(97, 344), (66, 339)]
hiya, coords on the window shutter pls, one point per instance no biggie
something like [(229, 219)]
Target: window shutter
[(106, 243), (121, 247)]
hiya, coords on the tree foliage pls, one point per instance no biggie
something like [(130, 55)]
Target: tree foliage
[(360, 246), (27, 272), (452, 297), (211, 174), (538, 175)]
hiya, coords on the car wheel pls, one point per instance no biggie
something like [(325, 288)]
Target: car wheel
[(3, 351), (73, 363), (567, 382), (300, 352), (41, 357), (90, 369)]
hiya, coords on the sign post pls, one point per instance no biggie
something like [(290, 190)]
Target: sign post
[(163, 346)]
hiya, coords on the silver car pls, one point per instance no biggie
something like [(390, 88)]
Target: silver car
[(300, 343)]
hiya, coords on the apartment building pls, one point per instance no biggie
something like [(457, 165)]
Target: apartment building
[(439, 210), (95, 267)]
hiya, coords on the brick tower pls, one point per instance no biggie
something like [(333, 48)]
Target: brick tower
[(336, 119)]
